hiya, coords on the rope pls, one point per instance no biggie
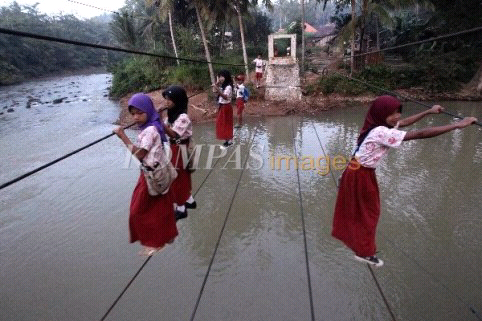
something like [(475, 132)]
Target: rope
[(381, 292), (401, 96), (19, 178), (91, 45), (305, 243), (421, 41), (56, 160), (125, 289), (470, 307), (91, 6), (219, 237)]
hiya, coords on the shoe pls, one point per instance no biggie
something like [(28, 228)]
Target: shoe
[(227, 143), (180, 215), (149, 251), (238, 126), (192, 205), (373, 260)]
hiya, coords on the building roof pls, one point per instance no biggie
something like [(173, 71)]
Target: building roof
[(310, 28)]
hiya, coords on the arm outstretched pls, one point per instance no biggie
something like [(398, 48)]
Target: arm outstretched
[(436, 109), (439, 130)]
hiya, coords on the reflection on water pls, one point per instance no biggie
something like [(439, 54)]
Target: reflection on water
[(65, 255)]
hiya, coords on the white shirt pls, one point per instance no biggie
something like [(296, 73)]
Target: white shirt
[(259, 64), (228, 91), (239, 91), (376, 145)]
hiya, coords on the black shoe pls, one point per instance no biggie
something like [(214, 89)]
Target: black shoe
[(180, 215), (373, 260), (192, 205), (227, 143)]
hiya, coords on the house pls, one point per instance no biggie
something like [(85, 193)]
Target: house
[(324, 35), (310, 29)]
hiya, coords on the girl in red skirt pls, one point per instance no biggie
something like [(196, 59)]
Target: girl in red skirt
[(151, 219), (239, 99), (224, 121), (357, 206), (179, 130)]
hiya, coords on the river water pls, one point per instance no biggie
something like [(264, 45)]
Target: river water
[(64, 251)]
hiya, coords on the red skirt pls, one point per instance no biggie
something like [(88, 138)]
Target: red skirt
[(357, 210), (224, 122), (182, 185), (151, 220), (239, 105)]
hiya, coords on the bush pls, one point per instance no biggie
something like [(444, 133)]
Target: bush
[(328, 84), (136, 74)]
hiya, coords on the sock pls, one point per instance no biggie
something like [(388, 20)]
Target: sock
[(190, 200), (181, 208)]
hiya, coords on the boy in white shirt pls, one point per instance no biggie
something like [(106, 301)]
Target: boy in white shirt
[(260, 63)]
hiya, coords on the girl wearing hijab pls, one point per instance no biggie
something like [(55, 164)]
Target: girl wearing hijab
[(151, 219), (179, 130), (224, 121), (357, 208)]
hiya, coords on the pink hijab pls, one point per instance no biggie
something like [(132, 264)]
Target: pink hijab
[(381, 108)]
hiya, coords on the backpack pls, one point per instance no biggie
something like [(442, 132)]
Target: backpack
[(245, 94), (159, 177)]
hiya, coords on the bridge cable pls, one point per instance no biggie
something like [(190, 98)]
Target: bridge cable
[(19, 178), (198, 300), (91, 45), (305, 243)]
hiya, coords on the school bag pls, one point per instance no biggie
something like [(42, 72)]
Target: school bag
[(159, 177), (245, 94)]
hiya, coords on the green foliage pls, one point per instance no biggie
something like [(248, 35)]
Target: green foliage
[(136, 74), (328, 84), (378, 75), (32, 58), (9, 74)]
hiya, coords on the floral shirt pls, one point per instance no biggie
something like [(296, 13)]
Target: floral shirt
[(376, 145), (228, 91), (150, 140), (183, 126)]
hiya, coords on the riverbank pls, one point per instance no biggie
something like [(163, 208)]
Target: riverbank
[(202, 107), (9, 80)]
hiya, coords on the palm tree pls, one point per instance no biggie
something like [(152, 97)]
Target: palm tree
[(125, 30), (165, 10), (198, 6)]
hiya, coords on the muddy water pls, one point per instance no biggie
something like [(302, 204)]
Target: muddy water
[(64, 251)]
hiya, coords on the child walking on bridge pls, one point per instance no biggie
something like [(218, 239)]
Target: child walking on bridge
[(357, 208), (224, 120), (240, 97), (179, 129), (151, 219)]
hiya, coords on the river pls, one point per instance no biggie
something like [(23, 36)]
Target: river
[(65, 255)]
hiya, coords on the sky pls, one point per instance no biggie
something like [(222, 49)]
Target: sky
[(56, 7)]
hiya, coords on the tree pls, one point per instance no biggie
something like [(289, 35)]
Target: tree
[(165, 9)]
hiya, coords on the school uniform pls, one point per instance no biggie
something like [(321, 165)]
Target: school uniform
[(151, 219), (239, 99), (224, 120), (182, 185), (357, 208), (259, 63)]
